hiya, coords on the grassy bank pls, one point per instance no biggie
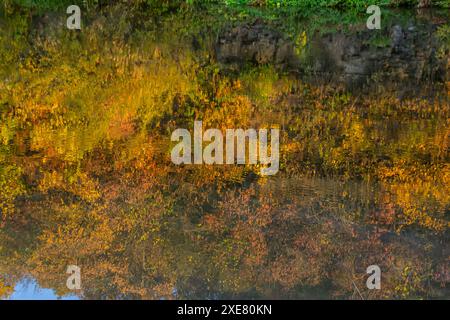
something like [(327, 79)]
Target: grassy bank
[(160, 6)]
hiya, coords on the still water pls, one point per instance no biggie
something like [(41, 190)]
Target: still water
[(86, 177)]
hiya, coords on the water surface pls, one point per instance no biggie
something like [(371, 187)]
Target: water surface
[(86, 177)]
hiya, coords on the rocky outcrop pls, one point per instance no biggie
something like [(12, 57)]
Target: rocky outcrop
[(254, 43), (405, 55)]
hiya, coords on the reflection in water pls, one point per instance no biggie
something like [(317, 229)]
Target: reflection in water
[(27, 289), (87, 180)]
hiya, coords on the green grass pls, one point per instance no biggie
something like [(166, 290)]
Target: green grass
[(168, 5)]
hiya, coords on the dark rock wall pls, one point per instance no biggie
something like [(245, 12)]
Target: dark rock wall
[(406, 55)]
